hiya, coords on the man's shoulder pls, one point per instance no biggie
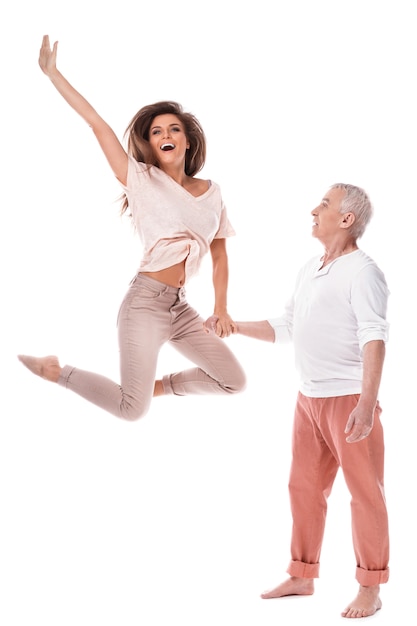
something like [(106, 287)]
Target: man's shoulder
[(361, 259)]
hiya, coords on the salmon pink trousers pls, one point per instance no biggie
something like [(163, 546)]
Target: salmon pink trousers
[(151, 315), (319, 450)]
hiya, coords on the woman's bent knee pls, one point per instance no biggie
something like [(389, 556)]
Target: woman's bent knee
[(132, 413), (238, 384)]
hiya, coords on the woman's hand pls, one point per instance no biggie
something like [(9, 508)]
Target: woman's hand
[(210, 324), (47, 56), (222, 326)]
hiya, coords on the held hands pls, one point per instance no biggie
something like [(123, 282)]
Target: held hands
[(47, 56), (222, 326), (359, 424)]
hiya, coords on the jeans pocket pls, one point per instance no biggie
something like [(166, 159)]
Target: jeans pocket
[(138, 293), (146, 292)]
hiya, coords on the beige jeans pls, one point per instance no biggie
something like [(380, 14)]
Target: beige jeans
[(151, 315)]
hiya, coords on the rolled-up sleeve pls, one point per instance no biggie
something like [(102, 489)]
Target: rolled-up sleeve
[(369, 302), (283, 325)]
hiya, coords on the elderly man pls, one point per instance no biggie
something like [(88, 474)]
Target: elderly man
[(336, 320)]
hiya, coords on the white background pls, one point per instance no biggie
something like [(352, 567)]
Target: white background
[(183, 517)]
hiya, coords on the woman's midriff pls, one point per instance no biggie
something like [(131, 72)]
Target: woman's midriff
[(173, 276)]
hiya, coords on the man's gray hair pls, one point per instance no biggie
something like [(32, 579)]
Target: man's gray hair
[(356, 201)]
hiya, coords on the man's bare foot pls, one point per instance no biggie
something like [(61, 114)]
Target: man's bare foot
[(292, 587), (366, 603), (46, 367)]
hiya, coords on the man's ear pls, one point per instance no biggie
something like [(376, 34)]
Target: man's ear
[(348, 219)]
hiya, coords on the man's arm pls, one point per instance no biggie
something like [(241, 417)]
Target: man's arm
[(361, 420), (256, 330)]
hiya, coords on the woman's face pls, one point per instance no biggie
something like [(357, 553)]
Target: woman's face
[(168, 140)]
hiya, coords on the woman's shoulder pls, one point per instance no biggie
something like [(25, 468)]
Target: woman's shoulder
[(139, 166)]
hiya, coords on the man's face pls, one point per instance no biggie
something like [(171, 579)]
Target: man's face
[(327, 217)]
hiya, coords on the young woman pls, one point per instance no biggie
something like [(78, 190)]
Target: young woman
[(178, 218)]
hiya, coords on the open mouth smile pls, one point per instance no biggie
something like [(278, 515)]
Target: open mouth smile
[(167, 146)]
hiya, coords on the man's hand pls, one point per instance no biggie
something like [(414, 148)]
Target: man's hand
[(359, 424)]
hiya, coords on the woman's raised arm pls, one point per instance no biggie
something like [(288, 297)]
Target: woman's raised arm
[(110, 144)]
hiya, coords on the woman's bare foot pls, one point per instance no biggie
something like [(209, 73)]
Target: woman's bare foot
[(292, 587), (366, 603), (158, 389), (46, 367)]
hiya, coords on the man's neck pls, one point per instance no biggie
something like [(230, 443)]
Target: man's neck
[(339, 249)]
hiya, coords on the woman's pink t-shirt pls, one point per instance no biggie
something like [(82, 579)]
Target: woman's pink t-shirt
[(172, 224)]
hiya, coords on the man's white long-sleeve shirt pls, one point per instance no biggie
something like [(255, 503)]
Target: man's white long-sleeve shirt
[(333, 312)]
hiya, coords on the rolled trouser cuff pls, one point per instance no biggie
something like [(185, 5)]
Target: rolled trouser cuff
[(303, 570)]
